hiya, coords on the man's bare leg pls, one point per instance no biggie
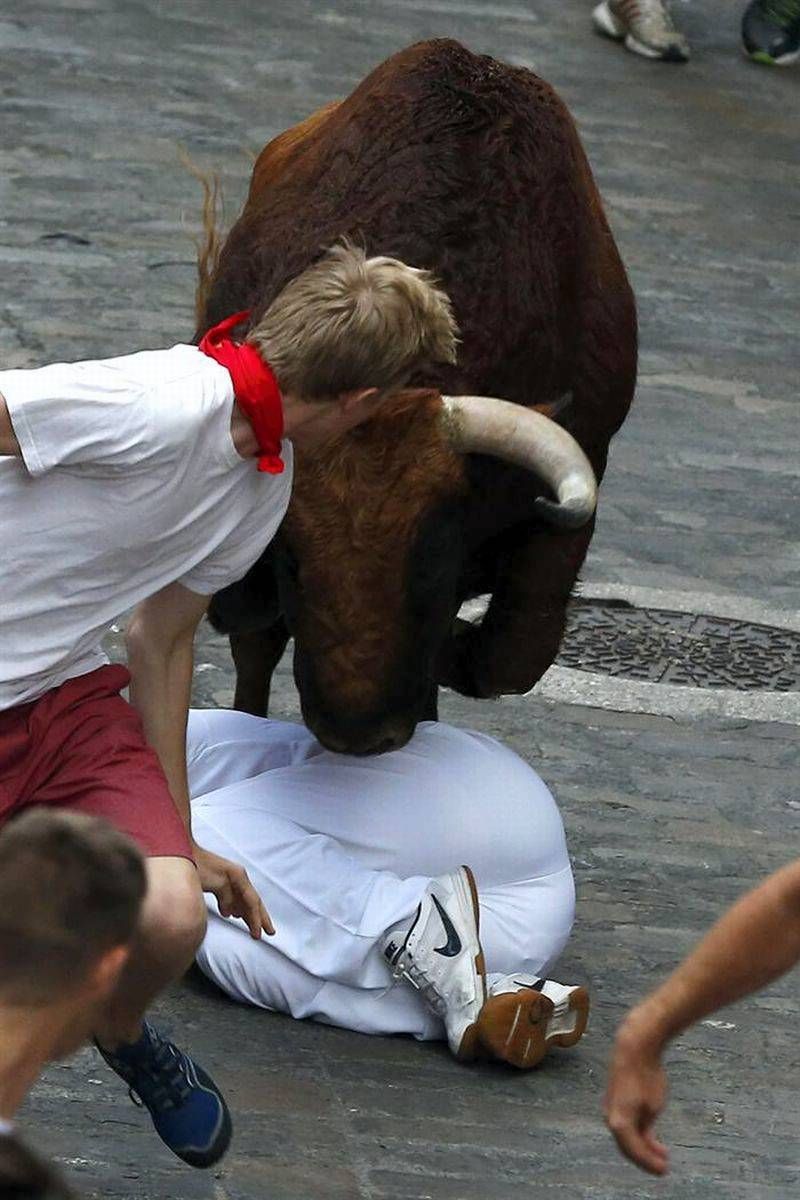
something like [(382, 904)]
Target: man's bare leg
[(188, 1109), (172, 926)]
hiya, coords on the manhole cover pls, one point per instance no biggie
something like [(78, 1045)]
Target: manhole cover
[(697, 650)]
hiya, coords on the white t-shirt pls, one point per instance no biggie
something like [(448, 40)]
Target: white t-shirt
[(129, 481)]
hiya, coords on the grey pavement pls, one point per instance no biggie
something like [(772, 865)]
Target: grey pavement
[(668, 816)]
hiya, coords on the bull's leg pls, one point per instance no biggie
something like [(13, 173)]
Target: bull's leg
[(255, 656), (520, 634)]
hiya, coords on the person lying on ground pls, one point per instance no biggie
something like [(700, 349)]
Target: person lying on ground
[(154, 480), (379, 929), (756, 941), (71, 892)]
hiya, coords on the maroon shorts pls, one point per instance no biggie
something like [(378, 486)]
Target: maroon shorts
[(81, 746)]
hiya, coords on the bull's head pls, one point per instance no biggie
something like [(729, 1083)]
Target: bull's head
[(374, 549)]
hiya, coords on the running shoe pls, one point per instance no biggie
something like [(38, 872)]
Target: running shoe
[(188, 1110), (645, 26), (517, 1019), (524, 1016), (771, 31), (440, 955)]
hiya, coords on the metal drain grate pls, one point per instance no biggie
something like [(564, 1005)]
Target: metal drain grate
[(697, 650)]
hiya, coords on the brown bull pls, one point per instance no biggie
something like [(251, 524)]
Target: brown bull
[(475, 170)]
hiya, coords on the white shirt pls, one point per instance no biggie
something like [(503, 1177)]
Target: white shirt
[(129, 481)]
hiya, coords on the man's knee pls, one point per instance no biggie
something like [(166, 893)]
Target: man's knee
[(174, 914)]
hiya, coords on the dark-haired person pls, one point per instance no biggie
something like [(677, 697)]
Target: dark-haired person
[(379, 927), (755, 942), (71, 890), (150, 482)]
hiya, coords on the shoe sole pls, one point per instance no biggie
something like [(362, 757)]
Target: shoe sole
[(469, 1047), (606, 23), (766, 60), (515, 1027), (203, 1159)]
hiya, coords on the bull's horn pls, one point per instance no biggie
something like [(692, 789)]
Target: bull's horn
[(485, 425)]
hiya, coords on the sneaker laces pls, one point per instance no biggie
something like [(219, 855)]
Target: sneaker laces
[(162, 1082), (406, 969), (652, 13)]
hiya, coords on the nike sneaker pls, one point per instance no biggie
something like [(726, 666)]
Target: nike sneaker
[(771, 31), (524, 1016), (645, 26), (440, 955)]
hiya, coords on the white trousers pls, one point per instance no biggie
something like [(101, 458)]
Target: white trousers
[(341, 849)]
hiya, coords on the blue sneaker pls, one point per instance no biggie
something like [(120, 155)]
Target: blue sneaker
[(188, 1110)]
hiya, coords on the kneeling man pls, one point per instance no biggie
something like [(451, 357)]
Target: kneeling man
[(378, 927)]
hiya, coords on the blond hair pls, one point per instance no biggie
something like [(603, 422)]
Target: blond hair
[(351, 322)]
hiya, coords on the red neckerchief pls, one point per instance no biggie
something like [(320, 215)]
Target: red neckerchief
[(254, 386)]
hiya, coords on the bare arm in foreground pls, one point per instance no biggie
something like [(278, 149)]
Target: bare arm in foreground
[(8, 439), (756, 941), (160, 640)]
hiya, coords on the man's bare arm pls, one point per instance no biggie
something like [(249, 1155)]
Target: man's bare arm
[(756, 941), (160, 643), (160, 640), (8, 439)]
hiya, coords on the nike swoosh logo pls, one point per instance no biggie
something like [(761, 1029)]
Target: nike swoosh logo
[(452, 946)]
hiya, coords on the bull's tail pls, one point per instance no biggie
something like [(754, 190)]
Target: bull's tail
[(209, 241)]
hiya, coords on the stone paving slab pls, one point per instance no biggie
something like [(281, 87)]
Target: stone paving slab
[(668, 819)]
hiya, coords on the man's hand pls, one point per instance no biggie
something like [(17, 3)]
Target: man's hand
[(235, 894), (637, 1092)]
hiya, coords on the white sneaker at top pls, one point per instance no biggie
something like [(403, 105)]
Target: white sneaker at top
[(441, 956), (645, 26), (524, 1016)]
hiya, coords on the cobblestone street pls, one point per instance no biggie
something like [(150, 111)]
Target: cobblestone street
[(672, 807)]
